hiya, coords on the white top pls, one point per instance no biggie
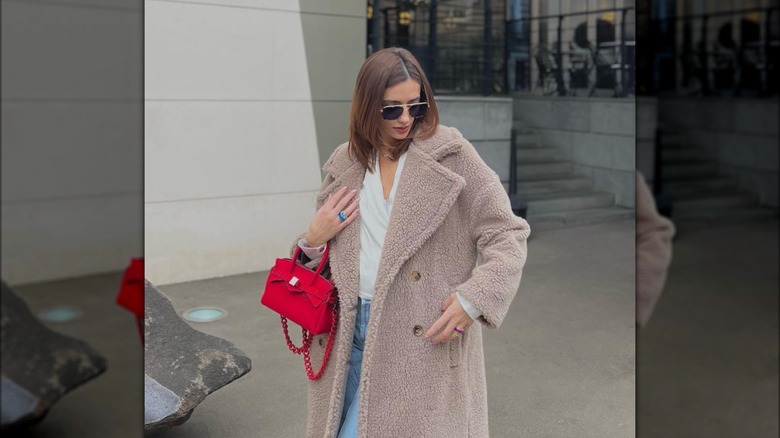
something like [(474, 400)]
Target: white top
[(374, 218)]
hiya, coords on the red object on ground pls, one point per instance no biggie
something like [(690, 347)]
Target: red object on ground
[(131, 292)]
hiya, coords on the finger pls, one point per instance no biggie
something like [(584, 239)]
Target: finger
[(463, 321), (441, 322), (446, 334), (345, 200), (334, 197), (348, 211), (447, 302), (350, 218)]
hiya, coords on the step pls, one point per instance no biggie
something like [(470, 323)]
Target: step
[(519, 125), (682, 154), (678, 147), (727, 201), (562, 183), (671, 139), (696, 193), (688, 220), (567, 201), (688, 192), (528, 139), (717, 182), (533, 155), (689, 170), (563, 219), (543, 170)]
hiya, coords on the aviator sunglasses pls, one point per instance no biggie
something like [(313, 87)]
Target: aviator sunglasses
[(416, 110)]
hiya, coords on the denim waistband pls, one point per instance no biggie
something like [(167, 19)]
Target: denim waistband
[(363, 311)]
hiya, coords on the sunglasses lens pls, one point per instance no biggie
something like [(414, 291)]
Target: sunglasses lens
[(418, 111), (392, 112)]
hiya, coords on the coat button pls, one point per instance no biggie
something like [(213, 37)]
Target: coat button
[(415, 275), (322, 342), (418, 330)]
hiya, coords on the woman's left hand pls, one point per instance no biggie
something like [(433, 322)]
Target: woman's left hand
[(454, 316)]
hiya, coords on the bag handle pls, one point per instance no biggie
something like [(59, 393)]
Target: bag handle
[(324, 260), (306, 345), (331, 336)]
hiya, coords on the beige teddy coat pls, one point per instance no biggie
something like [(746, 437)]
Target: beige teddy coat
[(654, 234), (449, 207)]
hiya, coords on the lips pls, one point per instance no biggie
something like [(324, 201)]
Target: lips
[(402, 130)]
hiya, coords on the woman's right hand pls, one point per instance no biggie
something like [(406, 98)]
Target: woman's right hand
[(326, 223)]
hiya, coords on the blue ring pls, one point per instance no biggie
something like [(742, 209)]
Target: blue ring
[(342, 216)]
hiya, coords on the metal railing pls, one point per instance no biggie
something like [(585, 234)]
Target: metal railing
[(461, 48), (732, 52), (475, 50), (578, 53)]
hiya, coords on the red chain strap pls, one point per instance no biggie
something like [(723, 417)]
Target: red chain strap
[(290, 345), (304, 348)]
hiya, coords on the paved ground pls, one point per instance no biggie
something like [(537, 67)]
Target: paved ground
[(561, 365), (708, 359)]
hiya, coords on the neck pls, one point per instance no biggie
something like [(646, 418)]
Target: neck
[(385, 159), (385, 153)]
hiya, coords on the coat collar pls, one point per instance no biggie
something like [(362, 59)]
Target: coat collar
[(443, 142), (426, 192)]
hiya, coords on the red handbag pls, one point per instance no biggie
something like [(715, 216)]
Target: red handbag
[(131, 292), (306, 298)]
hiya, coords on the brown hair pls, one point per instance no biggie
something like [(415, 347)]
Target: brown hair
[(382, 70)]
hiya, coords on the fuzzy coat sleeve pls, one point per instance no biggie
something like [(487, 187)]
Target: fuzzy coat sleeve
[(500, 237), (312, 263), (653, 251)]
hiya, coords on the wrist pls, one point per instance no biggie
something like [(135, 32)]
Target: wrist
[(312, 242)]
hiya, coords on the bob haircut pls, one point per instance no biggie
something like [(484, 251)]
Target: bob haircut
[(381, 70)]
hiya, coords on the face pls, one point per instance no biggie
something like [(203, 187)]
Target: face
[(402, 93)]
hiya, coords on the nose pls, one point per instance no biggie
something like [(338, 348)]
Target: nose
[(405, 116)]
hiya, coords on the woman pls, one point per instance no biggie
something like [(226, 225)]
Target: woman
[(406, 206)]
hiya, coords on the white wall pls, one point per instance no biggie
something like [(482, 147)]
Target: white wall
[(71, 138), (232, 166)]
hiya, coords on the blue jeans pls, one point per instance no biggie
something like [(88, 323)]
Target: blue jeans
[(349, 413)]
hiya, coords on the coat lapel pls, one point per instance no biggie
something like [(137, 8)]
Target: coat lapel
[(426, 192)]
